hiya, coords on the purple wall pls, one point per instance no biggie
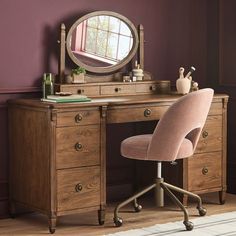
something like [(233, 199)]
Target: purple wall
[(175, 34)]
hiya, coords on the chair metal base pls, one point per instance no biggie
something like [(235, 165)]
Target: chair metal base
[(161, 186)]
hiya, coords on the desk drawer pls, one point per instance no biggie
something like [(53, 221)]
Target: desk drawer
[(216, 108), (146, 88), (80, 117), (211, 137), (132, 114), (117, 89), (77, 146), (78, 89), (205, 171), (78, 188)]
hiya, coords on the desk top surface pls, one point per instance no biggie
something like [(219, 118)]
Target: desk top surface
[(108, 101)]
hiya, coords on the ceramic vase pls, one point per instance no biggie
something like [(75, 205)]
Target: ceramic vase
[(183, 85)]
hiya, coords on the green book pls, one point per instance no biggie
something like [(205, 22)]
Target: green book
[(66, 99)]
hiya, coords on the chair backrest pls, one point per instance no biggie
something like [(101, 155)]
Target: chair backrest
[(184, 119)]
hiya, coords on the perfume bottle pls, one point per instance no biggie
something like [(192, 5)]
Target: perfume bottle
[(48, 88)]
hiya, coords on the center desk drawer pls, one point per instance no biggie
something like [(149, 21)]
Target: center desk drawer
[(117, 89), (78, 188), (80, 117), (134, 113), (77, 146), (205, 171)]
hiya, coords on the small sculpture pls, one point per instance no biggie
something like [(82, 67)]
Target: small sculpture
[(183, 84)]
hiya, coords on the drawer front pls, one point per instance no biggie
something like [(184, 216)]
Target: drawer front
[(132, 114), (117, 89), (146, 88), (211, 136), (216, 108), (205, 171), (86, 90), (78, 188), (82, 117), (77, 146)]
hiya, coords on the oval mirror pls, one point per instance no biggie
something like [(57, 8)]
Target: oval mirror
[(102, 41)]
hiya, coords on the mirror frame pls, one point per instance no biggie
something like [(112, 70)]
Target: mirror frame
[(109, 69)]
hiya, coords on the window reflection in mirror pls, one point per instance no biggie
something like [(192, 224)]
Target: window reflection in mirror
[(101, 41)]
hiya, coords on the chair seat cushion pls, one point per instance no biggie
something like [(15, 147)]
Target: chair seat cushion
[(136, 147)]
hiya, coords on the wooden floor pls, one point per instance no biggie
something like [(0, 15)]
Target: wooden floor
[(86, 224)]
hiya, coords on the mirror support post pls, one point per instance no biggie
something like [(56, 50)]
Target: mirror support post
[(61, 69), (141, 46)]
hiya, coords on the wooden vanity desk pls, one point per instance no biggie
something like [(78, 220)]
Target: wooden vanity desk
[(58, 151)]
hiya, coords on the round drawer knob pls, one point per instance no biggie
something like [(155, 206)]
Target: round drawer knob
[(204, 134), (117, 89), (78, 118), (204, 170), (78, 146), (80, 91), (147, 112), (78, 187), (152, 88)]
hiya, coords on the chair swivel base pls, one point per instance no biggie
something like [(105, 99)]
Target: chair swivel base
[(159, 185)]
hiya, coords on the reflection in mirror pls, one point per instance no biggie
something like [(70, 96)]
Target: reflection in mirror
[(101, 41)]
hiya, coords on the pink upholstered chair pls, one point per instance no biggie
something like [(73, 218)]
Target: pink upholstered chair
[(175, 137)]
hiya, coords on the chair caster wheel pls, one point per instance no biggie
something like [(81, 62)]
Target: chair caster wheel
[(138, 208), (118, 221), (52, 231), (202, 211), (189, 225)]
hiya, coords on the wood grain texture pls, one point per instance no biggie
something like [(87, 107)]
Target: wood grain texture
[(211, 137), (86, 223), (80, 89), (29, 136), (81, 117), (77, 146), (48, 174), (205, 171), (69, 197)]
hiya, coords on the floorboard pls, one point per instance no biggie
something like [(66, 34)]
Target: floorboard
[(86, 224)]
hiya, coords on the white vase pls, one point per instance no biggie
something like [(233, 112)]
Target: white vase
[(183, 85)]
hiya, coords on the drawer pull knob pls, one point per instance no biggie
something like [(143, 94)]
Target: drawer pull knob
[(204, 170), (80, 91), (78, 187), (78, 118), (204, 134), (78, 146), (147, 112), (117, 89), (152, 88)]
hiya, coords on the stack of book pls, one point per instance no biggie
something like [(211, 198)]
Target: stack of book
[(64, 99)]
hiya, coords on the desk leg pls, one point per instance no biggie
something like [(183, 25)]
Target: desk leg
[(185, 200), (101, 216), (222, 197), (12, 209), (52, 221)]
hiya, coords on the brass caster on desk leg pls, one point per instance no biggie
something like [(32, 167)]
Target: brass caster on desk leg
[(101, 217), (137, 207), (202, 211), (189, 225), (118, 221)]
